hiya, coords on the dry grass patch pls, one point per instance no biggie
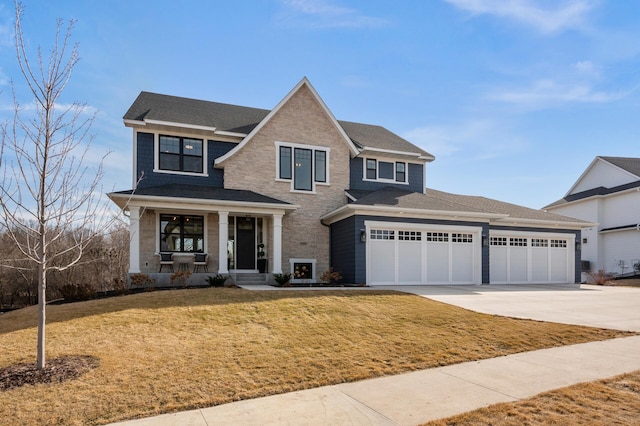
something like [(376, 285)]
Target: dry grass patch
[(176, 350), (614, 401)]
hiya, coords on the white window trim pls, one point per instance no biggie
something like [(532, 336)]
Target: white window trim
[(156, 154), (292, 261), (313, 148), (386, 160)]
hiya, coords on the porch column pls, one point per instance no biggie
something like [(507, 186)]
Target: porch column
[(223, 237), (277, 244), (134, 240)]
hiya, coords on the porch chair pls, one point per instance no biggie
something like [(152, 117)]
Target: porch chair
[(166, 259), (200, 260)]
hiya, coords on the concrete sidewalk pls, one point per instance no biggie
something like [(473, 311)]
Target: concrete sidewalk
[(414, 398)]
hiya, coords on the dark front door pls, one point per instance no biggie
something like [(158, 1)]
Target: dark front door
[(246, 242)]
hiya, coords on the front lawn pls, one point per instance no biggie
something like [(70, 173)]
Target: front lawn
[(175, 350), (614, 401)]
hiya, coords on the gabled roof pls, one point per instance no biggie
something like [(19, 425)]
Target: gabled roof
[(154, 108), (628, 165), (157, 108), (433, 201), (303, 83)]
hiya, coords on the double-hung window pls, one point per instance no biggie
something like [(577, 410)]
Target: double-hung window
[(385, 171), (305, 166), (180, 154), (181, 233)]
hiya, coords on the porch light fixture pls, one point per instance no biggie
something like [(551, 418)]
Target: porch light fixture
[(485, 240), (578, 245), (363, 236)]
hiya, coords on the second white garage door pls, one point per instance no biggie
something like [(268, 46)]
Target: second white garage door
[(531, 258), (404, 254)]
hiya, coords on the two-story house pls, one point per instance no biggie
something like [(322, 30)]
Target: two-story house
[(309, 192), (608, 195)]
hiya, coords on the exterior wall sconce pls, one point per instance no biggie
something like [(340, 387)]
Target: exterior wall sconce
[(578, 245), (485, 240), (363, 236)]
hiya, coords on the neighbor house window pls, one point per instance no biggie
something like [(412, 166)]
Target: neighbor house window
[(303, 165), (181, 233), (385, 171), (180, 154)]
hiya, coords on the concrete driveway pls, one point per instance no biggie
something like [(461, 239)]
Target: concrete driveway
[(598, 306)]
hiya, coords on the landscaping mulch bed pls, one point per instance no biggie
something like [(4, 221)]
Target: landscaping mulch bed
[(56, 370)]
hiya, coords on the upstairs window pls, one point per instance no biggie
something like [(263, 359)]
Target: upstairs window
[(304, 166), (180, 154), (385, 171)]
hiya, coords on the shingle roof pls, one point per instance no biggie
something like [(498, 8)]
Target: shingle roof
[(630, 164), (402, 198), (444, 201), (494, 206), (241, 119), (203, 193)]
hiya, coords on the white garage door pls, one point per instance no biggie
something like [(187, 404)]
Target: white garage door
[(518, 259), (423, 256)]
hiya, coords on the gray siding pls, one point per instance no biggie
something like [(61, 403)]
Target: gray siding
[(415, 174), (145, 160)]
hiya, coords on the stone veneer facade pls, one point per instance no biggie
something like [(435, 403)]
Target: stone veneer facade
[(301, 120)]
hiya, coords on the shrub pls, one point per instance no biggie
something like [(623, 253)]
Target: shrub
[(330, 276), (217, 280), (180, 278), (141, 280), (601, 277), (77, 292), (282, 279)]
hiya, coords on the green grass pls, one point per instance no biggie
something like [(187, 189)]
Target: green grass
[(174, 350)]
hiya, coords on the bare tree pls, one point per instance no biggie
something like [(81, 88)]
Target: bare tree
[(48, 192)]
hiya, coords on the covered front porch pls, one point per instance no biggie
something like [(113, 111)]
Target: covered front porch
[(203, 231)]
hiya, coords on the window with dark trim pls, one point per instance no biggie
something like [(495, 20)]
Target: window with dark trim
[(181, 233), (180, 154), (385, 171), (400, 172), (285, 162), (372, 169), (304, 166), (320, 166)]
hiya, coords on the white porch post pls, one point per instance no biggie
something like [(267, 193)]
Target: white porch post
[(277, 244), (223, 237), (134, 239)]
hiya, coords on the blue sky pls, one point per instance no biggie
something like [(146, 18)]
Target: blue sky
[(514, 97)]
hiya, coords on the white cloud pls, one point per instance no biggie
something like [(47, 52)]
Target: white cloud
[(322, 14), (547, 92), (480, 139), (566, 15)]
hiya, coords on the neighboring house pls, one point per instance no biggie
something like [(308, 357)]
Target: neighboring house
[(607, 194), (313, 192)]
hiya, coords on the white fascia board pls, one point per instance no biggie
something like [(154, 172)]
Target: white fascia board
[(150, 201), (133, 123), (418, 155), (388, 211), (233, 134), (184, 125), (421, 226), (509, 221), (265, 120)]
